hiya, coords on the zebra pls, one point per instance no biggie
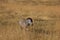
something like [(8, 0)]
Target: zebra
[(24, 23)]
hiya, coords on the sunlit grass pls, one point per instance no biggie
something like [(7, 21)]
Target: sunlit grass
[(45, 22)]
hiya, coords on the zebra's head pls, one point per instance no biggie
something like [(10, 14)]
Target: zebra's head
[(29, 21)]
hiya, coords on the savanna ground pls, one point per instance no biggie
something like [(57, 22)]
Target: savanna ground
[(45, 14)]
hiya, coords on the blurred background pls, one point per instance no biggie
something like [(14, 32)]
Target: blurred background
[(45, 15)]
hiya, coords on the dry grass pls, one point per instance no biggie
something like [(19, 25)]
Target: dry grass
[(46, 17)]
